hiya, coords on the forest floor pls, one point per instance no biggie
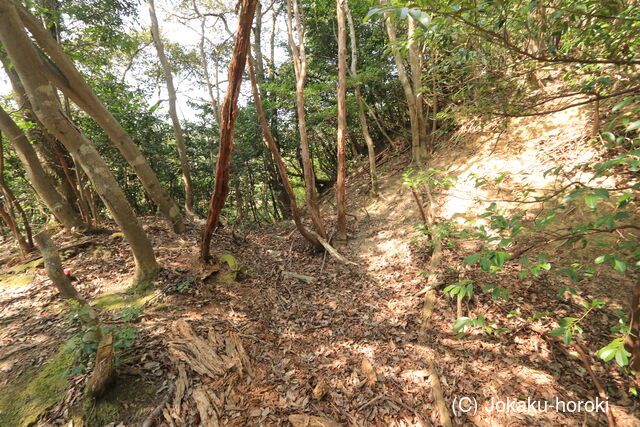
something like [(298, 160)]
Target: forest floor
[(281, 335)]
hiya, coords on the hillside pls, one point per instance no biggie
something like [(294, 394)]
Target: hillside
[(284, 335)]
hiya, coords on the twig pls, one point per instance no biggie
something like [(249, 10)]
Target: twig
[(149, 421)]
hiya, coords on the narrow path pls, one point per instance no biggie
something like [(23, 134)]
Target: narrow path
[(340, 348)]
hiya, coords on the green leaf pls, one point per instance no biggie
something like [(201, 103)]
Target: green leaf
[(501, 257), (422, 18), (600, 259), (460, 323), (472, 259), (619, 264), (633, 126), (622, 104), (606, 353), (591, 200), (569, 272)]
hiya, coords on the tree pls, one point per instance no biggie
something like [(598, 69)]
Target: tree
[(411, 87), (341, 229), (173, 113), (362, 116), (58, 205), (31, 70), (60, 70), (227, 124), (300, 68)]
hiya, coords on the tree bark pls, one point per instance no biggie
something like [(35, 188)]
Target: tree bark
[(66, 77), (341, 227), (227, 124), (29, 66), (362, 117), (415, 63), (58, 205), (300, 68), (173, 112)]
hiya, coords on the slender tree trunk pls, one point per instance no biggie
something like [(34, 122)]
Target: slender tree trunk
[(273, 147), (215, 105), (341, 228), (66, 77), (258, 60), (58, 205), (362, 116), (415, 63), (53, 267), (300, 68), (29, 67), (11, 198), (10, 220), (418, 151), (227, 124), (173, 112)]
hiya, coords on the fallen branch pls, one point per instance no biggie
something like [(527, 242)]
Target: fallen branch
[(438, 396), (306, 279), (587, 366), (334, 253)]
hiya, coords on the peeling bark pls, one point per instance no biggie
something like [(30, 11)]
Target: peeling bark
[(227, 124), (341, 226)]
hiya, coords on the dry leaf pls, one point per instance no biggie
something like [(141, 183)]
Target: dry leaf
[(320, 390), (304, 420), (369, 372)]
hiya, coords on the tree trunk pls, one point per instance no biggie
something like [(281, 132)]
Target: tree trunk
[(418, 150), (300, 68), (273, 147), (362, 117), (66, 77), (11, 198), (29, 67), (53, 267), (341, 228), (227, 124), (173, 112), (415, 63), (40, 181), (277, 186), (215, 105), (48, 152), (10, 220)]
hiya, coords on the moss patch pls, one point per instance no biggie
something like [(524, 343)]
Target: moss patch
[(23, 401), (117, 301), (21, 274), (127, 399), (101, 253)]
